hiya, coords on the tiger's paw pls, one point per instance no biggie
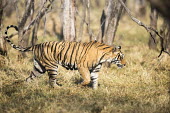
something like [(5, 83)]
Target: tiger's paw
[(95, 88), (83, 85), (28, 80)]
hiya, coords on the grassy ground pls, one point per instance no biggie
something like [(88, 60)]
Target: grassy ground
[(141, 87)]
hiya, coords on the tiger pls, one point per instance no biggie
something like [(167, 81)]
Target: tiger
[(87, 58)]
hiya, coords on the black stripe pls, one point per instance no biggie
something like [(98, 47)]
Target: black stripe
[(14, 46), (42, 49), (83, 50), (89, 46), (58, 54), (32, 73), (52, 74), (48, 45), (106, 47), (75, 44), (7, 27), (102, 57), (61, 52), (37, 50), (27, 49), (6, 33), (65, 54), (55, 47), (77, 51), (16, 28), (52, 70), (52, 47), (101, 45), (11, 26), (39, 70)]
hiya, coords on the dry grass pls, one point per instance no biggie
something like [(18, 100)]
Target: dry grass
[(140, 87)]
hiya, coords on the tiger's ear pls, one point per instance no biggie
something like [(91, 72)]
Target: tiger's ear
[(117, 48)]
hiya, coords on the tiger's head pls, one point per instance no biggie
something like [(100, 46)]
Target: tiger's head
[(116, 57)]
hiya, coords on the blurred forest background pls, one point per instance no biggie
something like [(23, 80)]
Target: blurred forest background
[(142, 29)]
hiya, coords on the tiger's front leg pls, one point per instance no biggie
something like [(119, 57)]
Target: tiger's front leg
[(94, 79), (94, 76), (84, 72)]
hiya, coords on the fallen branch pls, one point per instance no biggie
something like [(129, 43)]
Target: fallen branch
[(148, 28)]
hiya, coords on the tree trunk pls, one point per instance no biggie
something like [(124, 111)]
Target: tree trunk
[(167, 43), (9, 9), (34, 34), (79, 38), (162, 6), (140, 8), (165, 32), (59, 35), (98, 3), (35, 28), (22, 38), (69, 31), (102, 27), (111, 16), (153, 23), (3, 49), (88, 19)]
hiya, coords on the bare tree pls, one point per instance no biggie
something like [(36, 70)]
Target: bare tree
[(45, 8), (148, 28), (23, 32), (69, 30), (86, 14), (82, 21), (9, 9), (153, 23), (3, 49), (88, 19), (162, 6), (109, 21), (58, 34), (98, 2), (165, 32), (36, 25), (21, 37)]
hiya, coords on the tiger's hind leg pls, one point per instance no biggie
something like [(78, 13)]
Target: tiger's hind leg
[(37, 71), (52, 73), (94, 76)]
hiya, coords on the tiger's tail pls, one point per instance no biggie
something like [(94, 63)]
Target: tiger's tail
[(12, 44)]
